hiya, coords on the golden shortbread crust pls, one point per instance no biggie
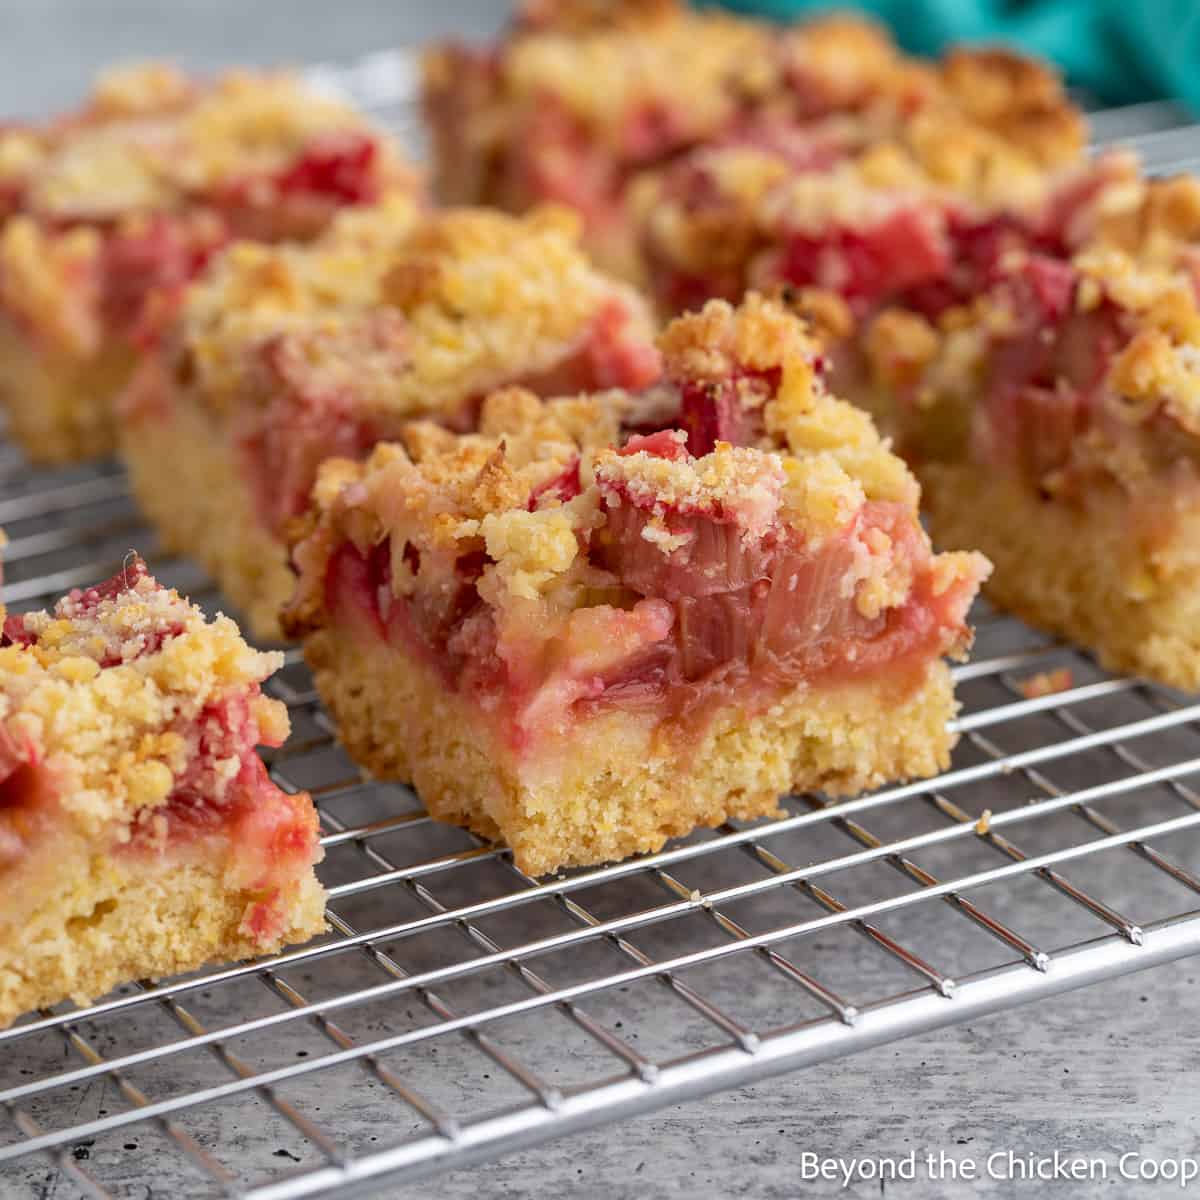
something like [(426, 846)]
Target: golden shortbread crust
[(620, 788), (107, 922), (1079, 570)]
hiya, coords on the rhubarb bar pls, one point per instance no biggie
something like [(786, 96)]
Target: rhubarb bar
[(1059, 431), (579, 99), (107, 212), (140, 835), (285, 356), (598, 622)]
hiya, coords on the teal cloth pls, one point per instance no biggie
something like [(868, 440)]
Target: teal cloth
[(1117, 51)]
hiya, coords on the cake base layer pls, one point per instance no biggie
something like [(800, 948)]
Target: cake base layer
[(1092, 574), (117, 917), (60, 408), (618, 784), (185, 480)]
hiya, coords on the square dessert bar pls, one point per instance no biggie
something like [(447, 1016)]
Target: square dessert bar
[(139, 832), (1058, 429), (282, 357), (597, 623), (578, 99), (107, 212)]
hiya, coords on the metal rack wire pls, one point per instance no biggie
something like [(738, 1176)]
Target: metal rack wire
[(461, 1009)]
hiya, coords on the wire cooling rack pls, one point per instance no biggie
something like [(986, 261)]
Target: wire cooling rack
[(458, 1009)]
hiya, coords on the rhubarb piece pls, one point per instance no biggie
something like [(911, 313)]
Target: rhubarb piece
[(576, 101), (283, 357), (106, 213), (140, 834), (1059, 430), (583, 635)]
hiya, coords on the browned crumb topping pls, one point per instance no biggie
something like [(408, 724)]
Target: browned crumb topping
[(1017, 97), (762, 335), (723, 214), (151, 139), (106, 693), (605, 74), (740, 482), (899, 345), (1158, 370), (47, 280), (1140, 374), (410, 313), (854, 55)]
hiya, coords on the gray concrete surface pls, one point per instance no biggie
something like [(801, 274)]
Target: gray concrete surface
[(1102, 1071)]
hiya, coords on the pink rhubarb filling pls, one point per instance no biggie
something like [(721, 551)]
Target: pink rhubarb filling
[(268, 837), (1046, 379), (730, 617), (28, 800), (865, 266)]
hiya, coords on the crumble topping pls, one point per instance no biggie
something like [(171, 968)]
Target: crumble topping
[(253, 291), (691, 66), (816, 462), (1157, 220), (741, 484), (152, 139), (1075, 369), (814, 202), (463, 295), (762, 335), (899, 345), (108, 627), (21, 151), (108, 692), (974, 162), (1018, 97), (819, 496), (530, 549), (611, 64), (848, 55), (107, 214), (1165, 296), (1155, 372)]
